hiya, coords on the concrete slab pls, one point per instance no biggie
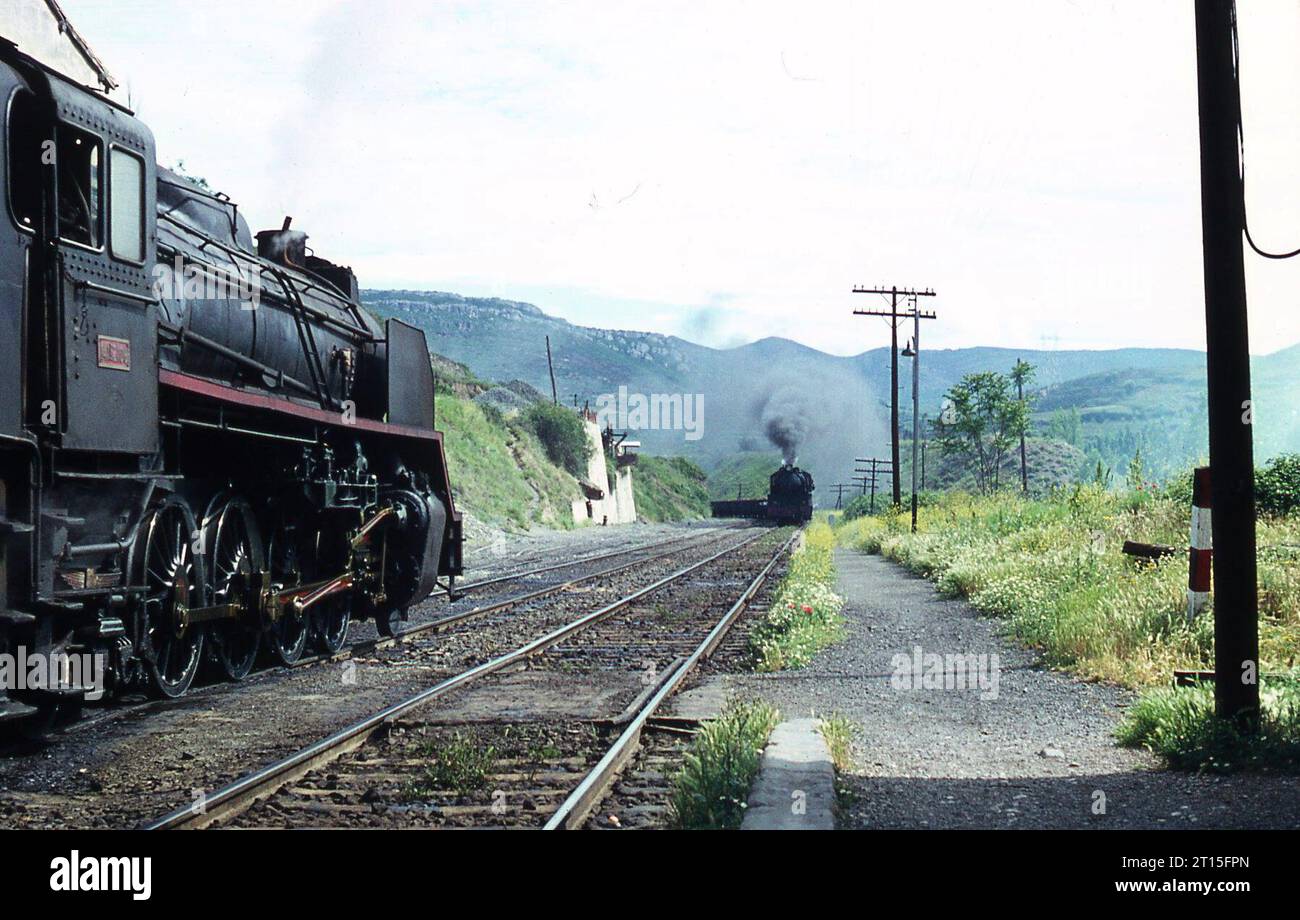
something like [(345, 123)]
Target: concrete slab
[(795, 787), (532, 695), (705, 701)]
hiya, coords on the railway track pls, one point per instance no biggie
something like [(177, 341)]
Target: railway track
[(396, 767), (642, 553)]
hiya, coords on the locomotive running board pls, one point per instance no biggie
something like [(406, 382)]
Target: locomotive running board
[(201, 386)]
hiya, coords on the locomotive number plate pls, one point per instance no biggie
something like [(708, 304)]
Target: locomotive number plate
[(114, 353)]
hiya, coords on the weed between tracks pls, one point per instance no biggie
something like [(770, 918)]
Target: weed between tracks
[(711, 788), (805, 613), (458, 764)]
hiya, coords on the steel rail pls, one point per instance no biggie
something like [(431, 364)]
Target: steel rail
[(597, 783), (440, 623), (365, 646), (470, 586), (245, 791)]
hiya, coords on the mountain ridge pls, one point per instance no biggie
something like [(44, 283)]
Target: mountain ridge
[(1109, 403)]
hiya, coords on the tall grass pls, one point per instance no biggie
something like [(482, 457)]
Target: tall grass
[(1179, 725), (669, 489), (805, 613), (711, 789), (1053, 569)]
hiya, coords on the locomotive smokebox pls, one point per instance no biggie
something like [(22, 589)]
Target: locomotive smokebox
[(283, 246)]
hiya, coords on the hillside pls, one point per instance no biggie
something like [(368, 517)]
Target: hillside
[(1107, 404), (502, 478)]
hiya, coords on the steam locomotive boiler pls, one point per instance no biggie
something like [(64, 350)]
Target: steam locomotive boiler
[(788, 501), (208, 450)]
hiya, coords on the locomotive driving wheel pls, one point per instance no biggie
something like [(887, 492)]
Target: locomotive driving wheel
[(173, 578), (330, 621), (287, 636), (234, 548), (331, 617), (388, 620)]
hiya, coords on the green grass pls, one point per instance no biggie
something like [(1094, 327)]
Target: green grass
[(712, 786), (805, 613), (840, 733), (1178, 724), (1053, 570), (669, 489), (500, 471), (458, 764)]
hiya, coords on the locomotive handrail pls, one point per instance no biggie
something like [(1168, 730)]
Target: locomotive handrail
[(183, 334), (260, 264), (106, 289), (307, 340)]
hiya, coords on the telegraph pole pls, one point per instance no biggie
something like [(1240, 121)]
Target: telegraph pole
[(894, 316), (878, 467), (1232, 468), (917, 316)]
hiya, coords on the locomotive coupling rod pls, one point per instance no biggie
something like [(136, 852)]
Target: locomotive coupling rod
[(364, 533), (300, 597), (244, 592)]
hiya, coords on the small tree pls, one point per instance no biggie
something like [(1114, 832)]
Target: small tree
[(1021, 375), (1137, 472), (980, 421)]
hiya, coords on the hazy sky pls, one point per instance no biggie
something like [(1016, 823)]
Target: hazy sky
[(725, 170)]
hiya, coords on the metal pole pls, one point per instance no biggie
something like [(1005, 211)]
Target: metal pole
[(550, 366), (1232, 472), (893, 393), (1024, 457), (916, 405)]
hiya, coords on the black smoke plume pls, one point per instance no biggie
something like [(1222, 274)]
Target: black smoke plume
[(785, 421)]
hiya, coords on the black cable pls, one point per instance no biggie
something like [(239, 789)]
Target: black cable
[(1241, 149)]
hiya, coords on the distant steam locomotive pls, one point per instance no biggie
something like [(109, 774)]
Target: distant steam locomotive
[(789, 499)]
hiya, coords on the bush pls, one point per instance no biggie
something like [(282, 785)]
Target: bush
[(1277, 485), (562, 434), (859, 507)]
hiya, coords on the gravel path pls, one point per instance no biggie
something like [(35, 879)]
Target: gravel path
[(1037, 753)]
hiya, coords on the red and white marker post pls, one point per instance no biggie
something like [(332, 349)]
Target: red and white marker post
[(1202, 552)]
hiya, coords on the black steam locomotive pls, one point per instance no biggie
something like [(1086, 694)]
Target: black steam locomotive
[(789, 499), (208, 450)]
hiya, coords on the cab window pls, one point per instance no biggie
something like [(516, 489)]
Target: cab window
[(24, 166), (126, 205), (79, 181)]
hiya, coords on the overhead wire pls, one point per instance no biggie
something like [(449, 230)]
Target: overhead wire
[(1241, 150)]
